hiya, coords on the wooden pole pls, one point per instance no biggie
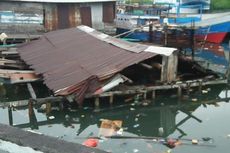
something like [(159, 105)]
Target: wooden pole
[(111, 100), (32, 117), (97, 102), (10, 115), (150, 32), (179, 92), (153, 94), (48, 107)]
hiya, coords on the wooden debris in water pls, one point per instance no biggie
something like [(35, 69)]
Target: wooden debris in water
[(109, 127)]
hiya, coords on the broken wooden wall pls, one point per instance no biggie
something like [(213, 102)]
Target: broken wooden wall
[(169, 68)]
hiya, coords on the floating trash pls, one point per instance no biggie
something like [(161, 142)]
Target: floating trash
[(169, 151), (204, 91), (136, 125), (135, 150), (194, 141), (51, 117), (194, 99), (160, 131), (91, 143), (132, 109)]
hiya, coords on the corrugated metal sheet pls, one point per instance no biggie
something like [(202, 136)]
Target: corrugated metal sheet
[(72, 59), (108, 12), (86, 15), (63, 16)]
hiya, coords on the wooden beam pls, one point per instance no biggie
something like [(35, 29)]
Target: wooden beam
[(140, 89), (31, 90), (38, 101)]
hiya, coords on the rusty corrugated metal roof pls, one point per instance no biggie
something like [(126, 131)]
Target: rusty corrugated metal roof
[(68, 59)]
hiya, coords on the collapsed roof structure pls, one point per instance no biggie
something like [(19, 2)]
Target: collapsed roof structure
[(81, 60)]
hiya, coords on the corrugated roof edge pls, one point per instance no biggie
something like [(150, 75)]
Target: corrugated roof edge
[(129, 46)]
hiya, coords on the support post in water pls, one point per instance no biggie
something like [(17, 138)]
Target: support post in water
[(10, 115), (48, 107), (32, 117), (179, 92), (153, 94), (111, 100), (97, 103)]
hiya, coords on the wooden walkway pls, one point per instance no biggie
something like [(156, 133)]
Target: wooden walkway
[(41, 142)]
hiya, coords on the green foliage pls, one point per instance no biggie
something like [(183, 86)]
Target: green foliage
[(139, 1), (220, 4)]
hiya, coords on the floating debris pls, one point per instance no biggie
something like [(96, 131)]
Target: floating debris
[(51, 117), (136, 125), (194, 99), (91, 143), (169, 151), (204, 91), (161, 131), (194, 141), (135, 150), (132, 109)]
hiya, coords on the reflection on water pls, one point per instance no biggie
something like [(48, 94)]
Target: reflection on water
[(196, 117)]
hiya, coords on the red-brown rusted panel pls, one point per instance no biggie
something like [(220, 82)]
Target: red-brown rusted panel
[(50, 17), (108, 12), (63, 16), (72, 17), (86, 18)]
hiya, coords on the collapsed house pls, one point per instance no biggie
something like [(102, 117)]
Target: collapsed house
[(83, 62)]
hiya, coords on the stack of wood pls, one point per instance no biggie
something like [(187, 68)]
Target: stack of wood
[(12, 68)]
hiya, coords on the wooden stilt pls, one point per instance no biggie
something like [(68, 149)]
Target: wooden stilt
[(10, 115), (111, 100), (31, 90), (153, 94), (97, 102), (30, 108), (145, 95), (32, 117), (188, 89), (179, 92), (48, 107), (200, 87)]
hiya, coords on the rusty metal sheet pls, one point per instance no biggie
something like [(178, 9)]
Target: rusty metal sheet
[(86, 18), (63, 16), (68, 58), (109, 12)]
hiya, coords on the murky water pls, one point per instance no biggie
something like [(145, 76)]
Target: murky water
[(197, 116)]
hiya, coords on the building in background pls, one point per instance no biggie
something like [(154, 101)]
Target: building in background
[(48, 15)]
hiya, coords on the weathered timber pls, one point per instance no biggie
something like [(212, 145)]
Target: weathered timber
[(38, 101), (31, 90), (41, 142), (142, 89)]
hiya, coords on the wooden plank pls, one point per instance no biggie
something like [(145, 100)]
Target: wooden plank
[(141, 89), (38, 101), (31, 90)]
